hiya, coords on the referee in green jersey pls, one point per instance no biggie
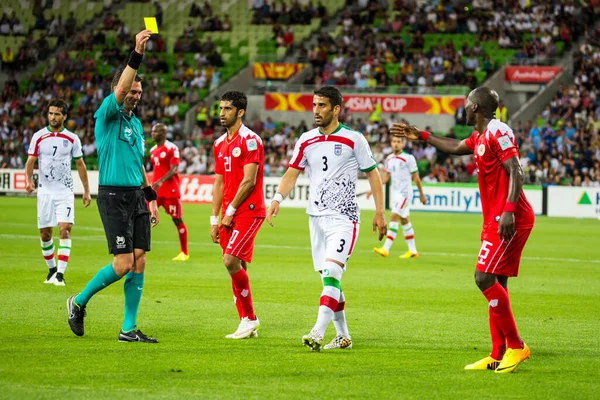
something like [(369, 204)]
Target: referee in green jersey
[(122, 194)]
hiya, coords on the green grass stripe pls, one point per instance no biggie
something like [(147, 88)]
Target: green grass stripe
[(49, 247), (329, 281)]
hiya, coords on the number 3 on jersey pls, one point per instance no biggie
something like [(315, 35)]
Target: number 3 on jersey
[(325, 166)]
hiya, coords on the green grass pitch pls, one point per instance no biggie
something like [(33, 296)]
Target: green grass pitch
[(415, 323)]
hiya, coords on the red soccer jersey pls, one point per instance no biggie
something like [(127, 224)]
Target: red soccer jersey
[(231, 155), (163, 158), (496, 145)]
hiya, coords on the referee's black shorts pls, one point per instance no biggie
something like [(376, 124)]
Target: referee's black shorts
[(125, 217)]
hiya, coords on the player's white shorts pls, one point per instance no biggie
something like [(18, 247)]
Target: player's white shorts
[(52, 209), (332, 238), (401, 205)]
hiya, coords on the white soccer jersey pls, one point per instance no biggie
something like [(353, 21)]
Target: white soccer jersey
[(401, 167), (333, 163), (54, 151)]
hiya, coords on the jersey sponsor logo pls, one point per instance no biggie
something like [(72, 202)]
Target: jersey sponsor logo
[(251, 144), (236, 152), (337, 150), (505, 142), (481, 149), (220, 155)]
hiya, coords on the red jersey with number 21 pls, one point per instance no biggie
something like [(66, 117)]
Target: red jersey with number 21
[(231, 155), (496, 145)]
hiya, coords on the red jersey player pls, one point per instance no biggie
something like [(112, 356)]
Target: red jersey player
[(238, 194), (165, 180), (507, 219)]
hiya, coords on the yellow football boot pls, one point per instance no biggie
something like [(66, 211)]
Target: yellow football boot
[(484, 364), (381, 251), (408, 254), (512, 358), (181, 257)]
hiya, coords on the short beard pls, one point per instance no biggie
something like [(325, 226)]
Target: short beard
[(324, 123)]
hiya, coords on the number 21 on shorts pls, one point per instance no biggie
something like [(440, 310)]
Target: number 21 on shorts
[(234, 236)]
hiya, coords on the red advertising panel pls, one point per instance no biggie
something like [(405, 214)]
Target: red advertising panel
[(367, 102), (530, 74), (195, 188)]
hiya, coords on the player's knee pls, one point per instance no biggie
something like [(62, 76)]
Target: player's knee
[(177, 221), (45, 235), (232, 263), (65, 233), (403, 220), (123, 263), (483, 280), (139, 264)]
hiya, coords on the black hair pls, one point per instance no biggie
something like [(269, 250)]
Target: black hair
[(117, 76), (237, 99), (60, 103), (332, 93)]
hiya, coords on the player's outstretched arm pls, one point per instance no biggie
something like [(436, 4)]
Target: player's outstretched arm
[(447, 145), (80, 164), (506, 225), (379, 224), (128, 75), (217, 195), (29, 187), (287, 183)]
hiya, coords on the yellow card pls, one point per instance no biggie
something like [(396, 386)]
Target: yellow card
[(151, 25)]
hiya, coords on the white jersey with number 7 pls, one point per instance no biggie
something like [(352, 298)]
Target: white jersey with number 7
[(333, 163)]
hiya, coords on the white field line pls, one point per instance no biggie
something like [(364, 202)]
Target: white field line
[(305, 248)]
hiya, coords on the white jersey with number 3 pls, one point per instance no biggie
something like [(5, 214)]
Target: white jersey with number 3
[(333, 163), (401, 167), (54, 151)]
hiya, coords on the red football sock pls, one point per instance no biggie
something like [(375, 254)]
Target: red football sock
[(242, 292), (238, 303), (498, 338), (499, 308), (182, 231)]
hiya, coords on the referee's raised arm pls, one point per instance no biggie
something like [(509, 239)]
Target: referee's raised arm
[(135, 59)]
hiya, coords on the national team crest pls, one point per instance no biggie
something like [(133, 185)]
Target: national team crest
[(337, 150), (65, 143), (236, 152), (481, 149)]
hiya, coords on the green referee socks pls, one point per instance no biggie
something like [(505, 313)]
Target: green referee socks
[(134, 285), (105, 277)]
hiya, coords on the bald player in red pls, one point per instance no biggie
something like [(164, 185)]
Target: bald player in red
[(508, 219), (165, 181)]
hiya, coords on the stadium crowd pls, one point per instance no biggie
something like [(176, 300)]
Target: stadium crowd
[(373, 37)]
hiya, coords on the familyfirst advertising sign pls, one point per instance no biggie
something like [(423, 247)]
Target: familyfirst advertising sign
[(440, 197)]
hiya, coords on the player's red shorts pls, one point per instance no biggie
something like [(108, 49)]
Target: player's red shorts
[(500, 257), (239, 239), (172, 206)]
